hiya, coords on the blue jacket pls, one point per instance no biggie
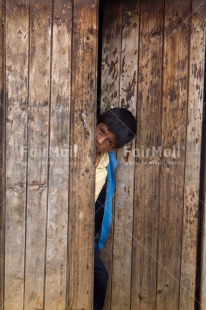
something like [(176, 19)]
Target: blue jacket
[(107, 218)]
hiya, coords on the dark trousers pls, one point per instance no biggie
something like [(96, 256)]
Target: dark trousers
[(100, 281)]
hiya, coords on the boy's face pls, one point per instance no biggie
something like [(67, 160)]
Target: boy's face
[(105, 139)]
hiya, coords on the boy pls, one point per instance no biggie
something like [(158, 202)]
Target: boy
[(115, 128)]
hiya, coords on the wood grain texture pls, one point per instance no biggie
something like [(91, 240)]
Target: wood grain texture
[(192, 160), (111, 54), (2, 151), (38, 140), (82, 166), (146, 204), (17, 39), (48, 81), (174, 127), (200, 37), (57, 222), (110, 92), (123, 220)]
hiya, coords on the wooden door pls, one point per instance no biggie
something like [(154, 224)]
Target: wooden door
[(48, 61), (153, 64)]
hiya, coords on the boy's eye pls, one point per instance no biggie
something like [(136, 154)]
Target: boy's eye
[(101, 130)]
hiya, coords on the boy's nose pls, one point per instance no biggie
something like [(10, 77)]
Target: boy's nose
[(100, 140)]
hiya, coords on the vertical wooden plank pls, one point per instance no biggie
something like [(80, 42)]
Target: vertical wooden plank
[(192, 161), (146, 205), (38, 139), (57, 224), (123, 221), (82, 168), (17, 27), (110, 91), (174, 123), (2, 151), (111, 54)]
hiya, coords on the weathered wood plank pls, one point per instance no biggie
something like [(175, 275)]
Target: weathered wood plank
[(2, 151), (123, 222), (17, 39), (146, 205), (110, 91), (82, 167), (57, 223), (38, 139), (200, 22), (192, 160), (174, 123), (111, 54)]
